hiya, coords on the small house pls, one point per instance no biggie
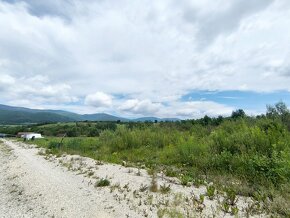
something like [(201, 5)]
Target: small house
[(21, 134), (29, 135), (32, 136)]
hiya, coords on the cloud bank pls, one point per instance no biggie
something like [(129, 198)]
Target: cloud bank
[(140, 58)]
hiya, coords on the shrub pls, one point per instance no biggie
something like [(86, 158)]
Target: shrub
[(231, 196), (186, 180), (53, 145), (102, 182), (210, 192)]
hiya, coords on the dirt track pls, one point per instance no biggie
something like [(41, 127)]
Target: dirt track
[(30, 186)]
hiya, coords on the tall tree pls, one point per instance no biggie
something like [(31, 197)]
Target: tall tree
[(240, 113)]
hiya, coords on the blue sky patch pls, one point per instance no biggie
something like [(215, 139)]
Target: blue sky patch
[(247, 100)]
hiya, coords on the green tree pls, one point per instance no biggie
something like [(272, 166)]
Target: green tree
[(279, 111), (240, 113)]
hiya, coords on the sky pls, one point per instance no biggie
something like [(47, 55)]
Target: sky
[(164, 58)]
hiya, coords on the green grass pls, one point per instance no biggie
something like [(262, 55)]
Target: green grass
[(85, 146), (102, 183)]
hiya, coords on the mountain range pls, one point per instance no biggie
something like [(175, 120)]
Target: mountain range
[(22, 115)]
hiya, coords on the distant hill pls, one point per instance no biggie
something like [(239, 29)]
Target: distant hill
[(71, 115), (21, 115), (102, 117), (152, 119)]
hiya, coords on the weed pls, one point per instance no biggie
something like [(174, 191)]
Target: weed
[(149, 199), (90, 173), (231, 197), (151, 171), (161, 213), (143, 188), (229, 202), (210, 192), (234, 210), (102, 182), (259, 196), (170, 172), (127, 187), (198, 202), (198, 182), (252, 208), (186, 180), (201, 198), (114, 187), (164, 189), (279, 206), (136, 194), (154, 184), (225, 207)]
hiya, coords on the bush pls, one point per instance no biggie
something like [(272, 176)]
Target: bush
[(186, 180), (255, 152), (102, 183), (210, 192), (53, 145)]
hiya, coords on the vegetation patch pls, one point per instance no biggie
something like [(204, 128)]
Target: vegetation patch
[(165, 189), (210, 191), (102, 182)]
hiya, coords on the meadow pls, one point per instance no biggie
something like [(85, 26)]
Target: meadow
[(249, 155)]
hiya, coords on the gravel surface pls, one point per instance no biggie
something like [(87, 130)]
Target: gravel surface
[(30, 186)]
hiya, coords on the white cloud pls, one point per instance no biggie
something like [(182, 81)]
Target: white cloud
[(6, 80), (34, 91), (98, 99), (197, 109), (58, 51), (212, 20), (141, 107), (184, 109)]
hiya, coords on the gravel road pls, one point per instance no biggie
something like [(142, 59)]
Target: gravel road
[(31, 186)]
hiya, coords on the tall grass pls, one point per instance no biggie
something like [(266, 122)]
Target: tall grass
[(256, 151)]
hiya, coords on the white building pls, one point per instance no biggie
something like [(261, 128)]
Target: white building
[(29, 136)]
